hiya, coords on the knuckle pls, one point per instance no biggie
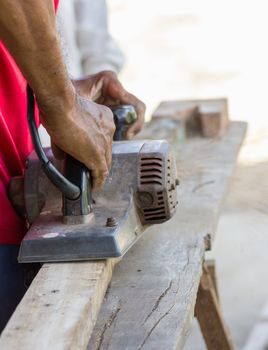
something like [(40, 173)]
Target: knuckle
[(106, 111), (108, 73), (102, 154), (138, 128), (142, 107), (105, 173), (113, 128), (103, 176), (101, 173)]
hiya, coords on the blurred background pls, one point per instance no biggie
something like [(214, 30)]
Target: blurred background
[(204, 49), (188, 49)]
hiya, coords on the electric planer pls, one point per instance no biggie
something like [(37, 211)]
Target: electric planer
[(67, 223)]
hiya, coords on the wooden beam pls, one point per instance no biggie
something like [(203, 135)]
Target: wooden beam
[(211, 267), (156, 282), (206, 117), (209, 316), (151, 299), (60, 308)]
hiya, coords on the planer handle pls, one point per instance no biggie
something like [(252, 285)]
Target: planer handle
[(124, 116), (79, 175), (75, 184)]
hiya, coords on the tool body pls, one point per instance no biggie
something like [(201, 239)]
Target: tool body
[(140, 191)]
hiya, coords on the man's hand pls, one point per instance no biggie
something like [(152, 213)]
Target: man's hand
[(77, 125), (84, 130), (104, 88)]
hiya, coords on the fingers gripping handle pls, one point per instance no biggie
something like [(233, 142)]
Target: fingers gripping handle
[(74, 210), (64, 185), (76, 184)]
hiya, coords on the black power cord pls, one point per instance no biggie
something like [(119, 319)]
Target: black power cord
[(68, 189)]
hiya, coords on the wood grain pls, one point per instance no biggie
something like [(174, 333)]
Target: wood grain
[(151, 299), (206, 117), (209, 316), (150, 302), (60, 308)]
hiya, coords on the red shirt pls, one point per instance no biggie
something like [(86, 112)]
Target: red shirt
[(15, 142)]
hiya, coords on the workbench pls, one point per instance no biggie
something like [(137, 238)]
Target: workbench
[(151, 299)]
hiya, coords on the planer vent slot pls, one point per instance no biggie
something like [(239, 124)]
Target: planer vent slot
[(151, 164), (151, 171), (151, 174), (163, 217), (151, 182), (147, 170), (149, 158), (152, 210)]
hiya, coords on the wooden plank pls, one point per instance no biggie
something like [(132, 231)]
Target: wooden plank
[(60, 308), (209, 316), (258, 338), (150, 302), (211, 266), (208, 117)]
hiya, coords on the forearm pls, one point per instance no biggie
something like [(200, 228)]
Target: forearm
[(28, 30)]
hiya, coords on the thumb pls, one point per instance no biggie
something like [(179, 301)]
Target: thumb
[(115, 90)]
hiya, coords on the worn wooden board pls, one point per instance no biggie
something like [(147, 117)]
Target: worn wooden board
[(151, 298), (60, 308), (207, 117), (208, 313)]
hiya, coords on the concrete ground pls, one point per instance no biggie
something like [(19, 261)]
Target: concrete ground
[(189, 49)]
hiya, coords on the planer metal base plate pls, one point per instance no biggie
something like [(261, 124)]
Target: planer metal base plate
[(50, 240)]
